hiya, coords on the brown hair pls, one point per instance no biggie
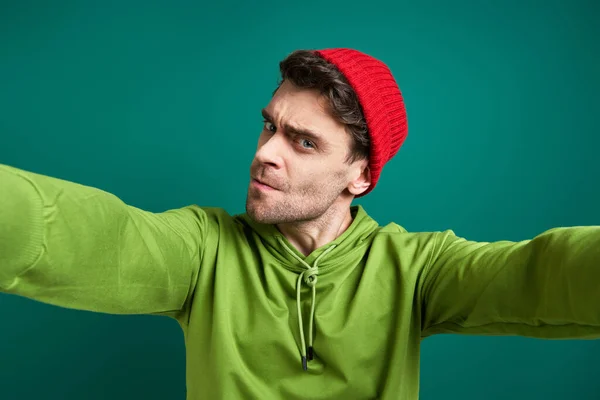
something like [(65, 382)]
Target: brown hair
[(307, 70)]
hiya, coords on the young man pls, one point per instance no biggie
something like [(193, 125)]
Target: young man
[(304, 296)]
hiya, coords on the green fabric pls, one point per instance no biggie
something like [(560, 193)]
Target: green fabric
[(310, 277), (232, 285)]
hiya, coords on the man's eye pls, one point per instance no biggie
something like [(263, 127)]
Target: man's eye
[(307, 144), (269, 126)]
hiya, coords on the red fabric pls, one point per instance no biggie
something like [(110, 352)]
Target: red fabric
[(381, 101)]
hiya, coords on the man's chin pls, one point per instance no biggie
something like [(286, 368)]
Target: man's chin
[(258, 217), (253, 210), (261, 214)]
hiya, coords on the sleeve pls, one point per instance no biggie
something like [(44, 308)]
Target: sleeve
[(547, 287), (79, 247)]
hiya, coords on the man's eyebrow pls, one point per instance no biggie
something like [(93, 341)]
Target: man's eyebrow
[(294, 129), (266, 115)]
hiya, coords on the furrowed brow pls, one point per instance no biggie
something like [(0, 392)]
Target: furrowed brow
[(303, 132), (295, 130), (266, 115)]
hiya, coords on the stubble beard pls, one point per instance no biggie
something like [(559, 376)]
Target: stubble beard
[(285, 207)]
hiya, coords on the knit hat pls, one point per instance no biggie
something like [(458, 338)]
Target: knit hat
[(381, 102)]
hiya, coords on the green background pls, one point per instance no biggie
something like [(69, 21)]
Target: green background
[(159, 103)]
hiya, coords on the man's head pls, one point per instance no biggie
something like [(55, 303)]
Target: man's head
[(317, 149)]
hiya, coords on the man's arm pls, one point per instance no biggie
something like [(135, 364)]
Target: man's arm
[(548, 287), (80, 247)]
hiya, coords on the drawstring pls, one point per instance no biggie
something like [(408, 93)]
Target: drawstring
[(309, 276)]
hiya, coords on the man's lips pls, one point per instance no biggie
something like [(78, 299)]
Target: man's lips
[(261, 185)]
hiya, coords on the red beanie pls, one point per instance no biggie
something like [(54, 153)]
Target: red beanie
[(381, 102)]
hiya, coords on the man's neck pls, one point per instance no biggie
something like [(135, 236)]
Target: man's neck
[(307, 236)]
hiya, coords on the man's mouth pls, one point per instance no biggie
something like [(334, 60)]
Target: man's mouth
[(261, 185)]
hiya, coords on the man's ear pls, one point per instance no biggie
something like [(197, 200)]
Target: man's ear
[(362, 181)]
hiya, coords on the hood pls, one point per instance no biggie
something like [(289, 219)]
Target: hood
[(362, 227), (319, 262)]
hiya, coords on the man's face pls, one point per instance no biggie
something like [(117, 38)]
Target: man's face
[(295, 175)]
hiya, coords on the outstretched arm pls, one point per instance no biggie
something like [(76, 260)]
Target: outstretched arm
[(548, 287), (80, 247)]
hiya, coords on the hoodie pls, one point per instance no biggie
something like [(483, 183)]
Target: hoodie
[(263, 321)]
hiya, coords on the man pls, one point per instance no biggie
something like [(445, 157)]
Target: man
[(304, 296)]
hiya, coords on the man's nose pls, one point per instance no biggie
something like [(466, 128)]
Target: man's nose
[(271, 151)]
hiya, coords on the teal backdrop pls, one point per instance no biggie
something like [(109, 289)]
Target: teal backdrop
[(159, 103)]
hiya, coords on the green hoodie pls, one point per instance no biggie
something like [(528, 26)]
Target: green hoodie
[(245, 297)]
